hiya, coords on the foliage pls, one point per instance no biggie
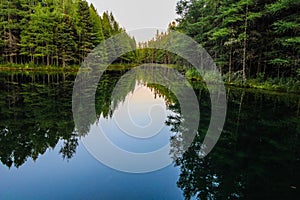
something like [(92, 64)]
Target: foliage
[(245, 38), (246, 35), (53, 32)]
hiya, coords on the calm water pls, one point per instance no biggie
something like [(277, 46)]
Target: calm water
[(43, 157)]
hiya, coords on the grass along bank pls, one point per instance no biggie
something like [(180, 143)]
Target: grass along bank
[(42, 68), (288, 84), (37, 68)]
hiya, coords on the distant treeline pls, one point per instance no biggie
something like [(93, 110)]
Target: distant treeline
[(53, 32)]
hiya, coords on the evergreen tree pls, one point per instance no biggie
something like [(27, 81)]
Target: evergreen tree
[(65, 43), (52, 32), (96, 26), (85, 30), (245, 37), (10, 16), (106, 26)]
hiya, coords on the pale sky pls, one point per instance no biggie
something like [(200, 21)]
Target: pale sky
[(137, 14)]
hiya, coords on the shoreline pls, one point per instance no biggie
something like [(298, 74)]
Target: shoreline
[(38, 69), (281, 89)]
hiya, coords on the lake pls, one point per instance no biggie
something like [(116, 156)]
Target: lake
[(45, 156)]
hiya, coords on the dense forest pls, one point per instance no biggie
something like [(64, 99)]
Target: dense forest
[(252, 42), (246, 38), (53, 32)]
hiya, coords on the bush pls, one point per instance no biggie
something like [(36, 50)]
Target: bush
[(193, 74)]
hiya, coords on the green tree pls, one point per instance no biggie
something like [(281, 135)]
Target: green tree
[(96, 26), (65, 42), (52, 32), (245, 37), (84, 30), (10, 16)]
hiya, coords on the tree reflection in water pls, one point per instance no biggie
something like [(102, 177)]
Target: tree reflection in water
[(257, 155), (35, 115)]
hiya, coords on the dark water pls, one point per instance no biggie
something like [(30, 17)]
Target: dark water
[(43, 157)]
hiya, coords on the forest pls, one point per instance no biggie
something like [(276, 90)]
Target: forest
[(254, 43), (251, 41), (48, 110), (53, 32)]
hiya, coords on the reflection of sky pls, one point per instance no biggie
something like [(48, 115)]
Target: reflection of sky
[(141, 107), (140, 103), (83, 177), (132, 144)]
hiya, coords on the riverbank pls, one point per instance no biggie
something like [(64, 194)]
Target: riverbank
[(280, 85), (291, 86), (286, 85), (53, 69), (37, 68)]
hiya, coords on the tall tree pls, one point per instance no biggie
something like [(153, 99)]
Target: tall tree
[(52, 32), (245, 37), (96, 23), (10, 16), (65, 42), (85, 30)]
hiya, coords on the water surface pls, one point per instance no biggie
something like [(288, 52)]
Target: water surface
[(42, 155)]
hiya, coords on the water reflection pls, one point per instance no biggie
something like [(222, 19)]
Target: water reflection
[(35, 114), (257, 155), (169, 81)]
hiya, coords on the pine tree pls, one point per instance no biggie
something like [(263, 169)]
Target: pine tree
[(245, 37), (10, 17), (65, 42), (106, 26), (96, 26), (85, 30), (52, 32)]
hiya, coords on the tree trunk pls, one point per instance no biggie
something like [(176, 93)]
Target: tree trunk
[(10, 41), (56, 56), (63, 61), (48, 60), (245, 45), (230, 64), (259, 64)]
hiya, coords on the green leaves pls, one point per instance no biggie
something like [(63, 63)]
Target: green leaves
[(281, 5), (280, 62), (52, 32), (282, 26), (220, 33), (254, 15), (246, 35)]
